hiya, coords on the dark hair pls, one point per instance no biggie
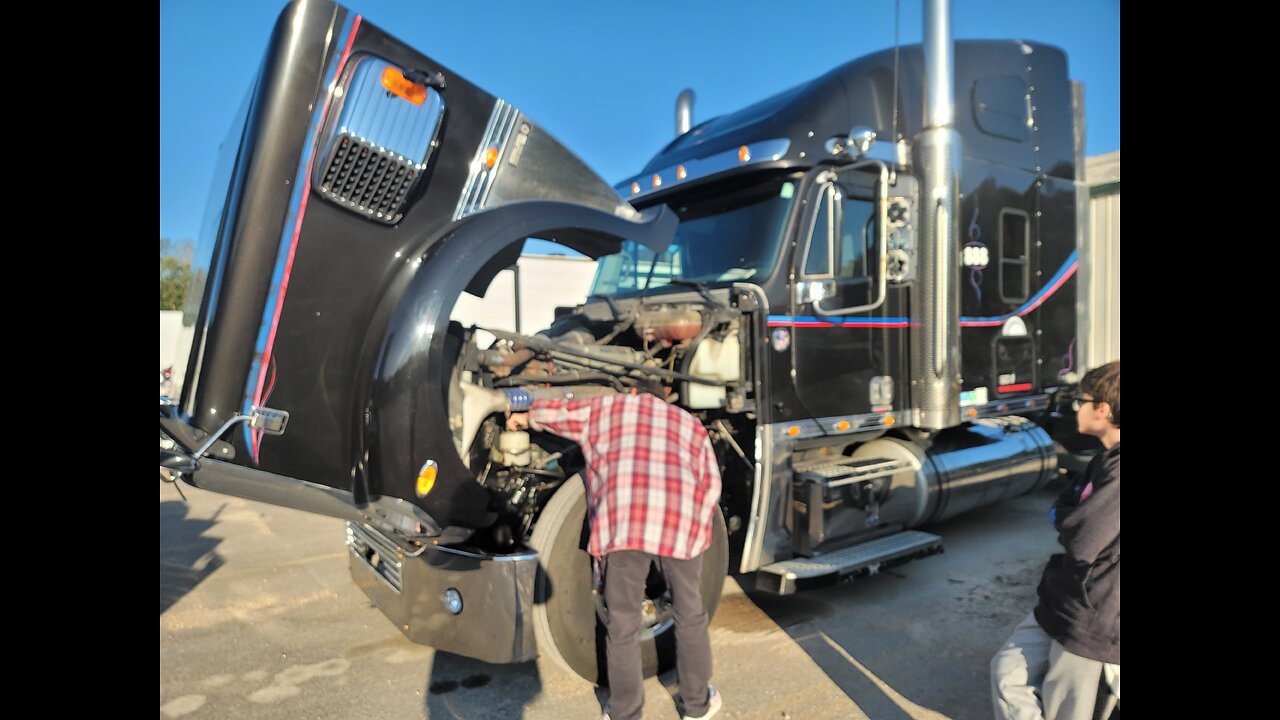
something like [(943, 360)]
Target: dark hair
[(1103, 383)]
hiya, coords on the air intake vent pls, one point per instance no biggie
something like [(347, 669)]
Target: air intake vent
[(367, 179), (377, 552)]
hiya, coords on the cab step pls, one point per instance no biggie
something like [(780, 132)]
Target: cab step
[(830, 486), (867, 558), (847, 470)]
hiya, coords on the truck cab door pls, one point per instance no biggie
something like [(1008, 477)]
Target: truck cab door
[(849, 344)]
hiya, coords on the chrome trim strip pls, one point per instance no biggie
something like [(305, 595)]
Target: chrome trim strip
[(475, 192), (771, 438), (518, 557), (754, 540), (255, 383), (997, 408), (362, 536), (760, 152), (856, 424)]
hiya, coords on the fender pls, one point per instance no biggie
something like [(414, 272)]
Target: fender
[(405, 414)]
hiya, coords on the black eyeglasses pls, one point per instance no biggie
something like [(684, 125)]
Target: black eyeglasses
[(1078, 401)]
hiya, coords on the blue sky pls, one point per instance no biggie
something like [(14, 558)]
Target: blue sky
[(601, 76)]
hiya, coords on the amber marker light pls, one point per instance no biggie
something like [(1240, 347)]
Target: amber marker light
[(490, 158), (394, 81), (744, 154), (426, 478)]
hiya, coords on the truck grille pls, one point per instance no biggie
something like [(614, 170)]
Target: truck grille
[(367, 179), (377, 552)]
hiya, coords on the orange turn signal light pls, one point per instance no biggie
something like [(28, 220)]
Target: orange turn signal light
[(490, 158), (394, 81), (426, 478)]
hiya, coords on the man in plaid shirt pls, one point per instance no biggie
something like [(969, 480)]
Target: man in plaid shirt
[(652, 484)]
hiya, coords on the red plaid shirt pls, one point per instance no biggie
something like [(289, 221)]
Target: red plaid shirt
[(652, 479)]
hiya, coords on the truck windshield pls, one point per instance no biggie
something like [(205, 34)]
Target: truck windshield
[(732, 235)]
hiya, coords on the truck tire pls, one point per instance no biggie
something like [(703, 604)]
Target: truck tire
[(568, 615)]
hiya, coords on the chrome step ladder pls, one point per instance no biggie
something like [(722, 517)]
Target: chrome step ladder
[(861, 560)]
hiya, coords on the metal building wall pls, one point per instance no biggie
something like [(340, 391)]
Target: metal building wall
[(1100, 263)]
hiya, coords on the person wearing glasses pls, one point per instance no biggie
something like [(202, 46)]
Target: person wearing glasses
[(1069, 646)]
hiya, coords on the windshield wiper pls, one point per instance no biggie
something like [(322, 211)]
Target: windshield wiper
[(701, 287), (648, 278)]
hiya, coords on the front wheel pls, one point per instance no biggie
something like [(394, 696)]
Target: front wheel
[(568, 614)]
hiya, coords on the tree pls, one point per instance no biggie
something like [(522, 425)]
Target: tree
[(175, 273)]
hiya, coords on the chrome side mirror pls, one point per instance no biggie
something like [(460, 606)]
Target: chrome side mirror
[(856, 145), (862, 138)]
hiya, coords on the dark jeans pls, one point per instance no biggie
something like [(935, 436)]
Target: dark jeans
[(624, 573)]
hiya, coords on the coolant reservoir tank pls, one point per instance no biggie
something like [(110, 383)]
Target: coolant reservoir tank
[(513, 448), (714, 360)]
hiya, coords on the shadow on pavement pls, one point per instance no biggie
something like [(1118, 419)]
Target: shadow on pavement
[(453, 677), (916, 640), (187, 556)]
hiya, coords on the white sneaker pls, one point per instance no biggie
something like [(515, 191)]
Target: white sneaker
[(713, 706)]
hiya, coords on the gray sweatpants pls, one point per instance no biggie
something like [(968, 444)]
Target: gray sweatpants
[(624, 578), (1033, 676)]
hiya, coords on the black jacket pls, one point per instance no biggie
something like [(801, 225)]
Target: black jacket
[(1080, 591)]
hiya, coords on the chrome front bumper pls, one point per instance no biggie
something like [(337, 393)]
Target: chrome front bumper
[(496, 592)]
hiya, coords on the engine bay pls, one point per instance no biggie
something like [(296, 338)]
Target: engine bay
[(688, 352)]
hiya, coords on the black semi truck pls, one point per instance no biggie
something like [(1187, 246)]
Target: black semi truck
[(863, 286)]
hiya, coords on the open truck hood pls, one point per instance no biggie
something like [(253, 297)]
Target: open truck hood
[(363, 187)]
